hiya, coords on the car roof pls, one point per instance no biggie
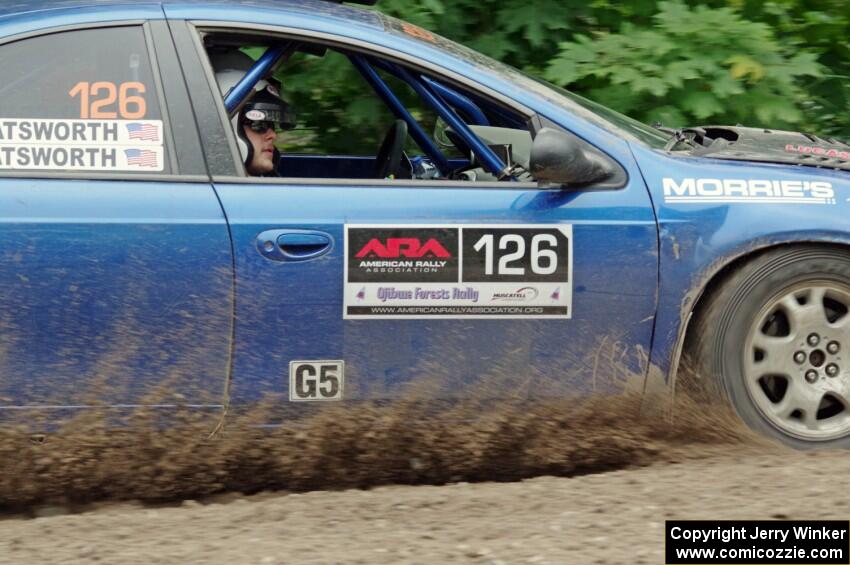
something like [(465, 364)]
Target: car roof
[(21, 16), (34, 10), (19, 7)]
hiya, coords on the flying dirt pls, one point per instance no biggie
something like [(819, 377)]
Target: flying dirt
[(553, 482)]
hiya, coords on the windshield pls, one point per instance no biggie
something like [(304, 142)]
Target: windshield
[(647, 134), (587, 109)]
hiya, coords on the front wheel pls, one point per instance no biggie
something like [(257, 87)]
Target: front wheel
[(776, 335)]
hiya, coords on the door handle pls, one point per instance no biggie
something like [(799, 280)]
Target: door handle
[(293, 244)]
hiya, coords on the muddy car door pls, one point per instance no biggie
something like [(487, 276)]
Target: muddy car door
[(355, 286), (115, 268)]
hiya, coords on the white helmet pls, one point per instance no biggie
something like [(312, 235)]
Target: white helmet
[(264, 104)]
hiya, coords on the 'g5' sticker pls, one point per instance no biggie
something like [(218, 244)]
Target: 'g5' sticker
[(316, 380)]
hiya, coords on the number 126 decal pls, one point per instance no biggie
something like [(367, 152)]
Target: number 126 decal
[(97, 100), (458, 271), (510, 254)]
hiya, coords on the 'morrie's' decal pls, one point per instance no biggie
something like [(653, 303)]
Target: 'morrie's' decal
[(747, 191), (450, 271)]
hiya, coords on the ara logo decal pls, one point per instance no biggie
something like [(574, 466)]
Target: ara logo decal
[(747, 191), (380, 254), (408, 247)]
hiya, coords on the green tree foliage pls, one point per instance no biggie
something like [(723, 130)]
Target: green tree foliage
[(821, 28), (779, 64), (692, 66)]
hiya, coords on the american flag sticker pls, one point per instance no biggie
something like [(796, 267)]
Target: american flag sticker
[(143, 131), (144, 158), (130, 133)]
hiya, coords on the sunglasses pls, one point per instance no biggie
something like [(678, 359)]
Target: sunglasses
[(260, 126)]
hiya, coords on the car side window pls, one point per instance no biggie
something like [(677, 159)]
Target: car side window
[(81, 101), (353, 129)]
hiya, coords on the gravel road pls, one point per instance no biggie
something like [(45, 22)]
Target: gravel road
[(549, 482), (610, 517)]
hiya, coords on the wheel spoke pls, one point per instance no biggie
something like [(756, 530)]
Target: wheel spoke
[(768, 366), (810, 400), (773, 346), (842, 326), (816, 296), (808, 315), (777, 356), (794, 311)]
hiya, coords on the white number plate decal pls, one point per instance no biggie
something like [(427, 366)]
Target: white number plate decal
[(312, 381), (458, 271)]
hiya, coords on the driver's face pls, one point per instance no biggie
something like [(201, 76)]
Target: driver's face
[(263, 159)]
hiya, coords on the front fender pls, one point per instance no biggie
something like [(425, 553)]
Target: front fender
[(706, 227)]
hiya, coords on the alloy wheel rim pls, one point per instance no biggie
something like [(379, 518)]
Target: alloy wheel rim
[(796, 361)]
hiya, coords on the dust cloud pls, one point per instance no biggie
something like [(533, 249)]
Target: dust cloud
[(89, 459)]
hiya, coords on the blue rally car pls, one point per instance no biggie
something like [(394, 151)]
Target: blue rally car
[(160, 246)]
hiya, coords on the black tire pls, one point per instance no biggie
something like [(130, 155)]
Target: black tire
[(746, 310)]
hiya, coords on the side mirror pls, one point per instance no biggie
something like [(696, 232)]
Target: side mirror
[(559, 158)]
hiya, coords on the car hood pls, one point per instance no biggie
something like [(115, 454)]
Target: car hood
[(767, 146)]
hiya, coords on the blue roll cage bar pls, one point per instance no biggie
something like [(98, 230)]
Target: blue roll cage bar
[(264, 64), (442, 99), (383, 90)]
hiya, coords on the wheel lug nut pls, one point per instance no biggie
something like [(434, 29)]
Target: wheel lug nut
[(832, 370), (800, 357), (811, 376), (833, 347), (813, 339)]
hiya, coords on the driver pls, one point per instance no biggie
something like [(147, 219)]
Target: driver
[(260, 117), (257, 123)]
